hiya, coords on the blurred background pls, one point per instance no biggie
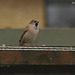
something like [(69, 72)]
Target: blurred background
[(56, 17), (50, 13), (18, 13)]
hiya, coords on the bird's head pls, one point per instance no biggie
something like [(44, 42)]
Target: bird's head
[(34, 22)]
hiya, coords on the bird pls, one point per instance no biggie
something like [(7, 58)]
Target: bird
[(30, 33)]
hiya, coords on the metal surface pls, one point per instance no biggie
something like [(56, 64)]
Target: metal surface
[(42, 48), (44, 55)]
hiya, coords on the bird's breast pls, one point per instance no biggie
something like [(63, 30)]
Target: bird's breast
[(31, 34)]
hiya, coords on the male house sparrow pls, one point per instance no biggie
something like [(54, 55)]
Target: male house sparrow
[(30, 33)]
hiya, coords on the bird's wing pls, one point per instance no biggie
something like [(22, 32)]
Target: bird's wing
[(25, 30)]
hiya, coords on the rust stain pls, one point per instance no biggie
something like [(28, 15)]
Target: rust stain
[(10, 57), (66, 58), (37, 57)]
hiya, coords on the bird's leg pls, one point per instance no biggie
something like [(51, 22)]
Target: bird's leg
[(27, 44), (32, 44)]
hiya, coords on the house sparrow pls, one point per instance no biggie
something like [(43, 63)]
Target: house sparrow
[(30, 33)]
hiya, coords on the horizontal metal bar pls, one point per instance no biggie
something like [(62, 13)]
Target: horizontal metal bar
[(43, 48), (34, 47), (37, 48)]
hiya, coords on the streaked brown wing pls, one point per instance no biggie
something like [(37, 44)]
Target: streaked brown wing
[(25, 30)]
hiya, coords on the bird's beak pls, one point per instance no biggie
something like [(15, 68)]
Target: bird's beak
[(38, 22)]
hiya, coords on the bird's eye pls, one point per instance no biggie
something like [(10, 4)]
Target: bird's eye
[(34, 21)]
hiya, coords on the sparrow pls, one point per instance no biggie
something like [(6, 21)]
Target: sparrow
[(30, 33)]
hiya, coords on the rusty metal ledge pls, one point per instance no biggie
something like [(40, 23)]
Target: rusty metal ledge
[(44, 55), (42, 48)]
